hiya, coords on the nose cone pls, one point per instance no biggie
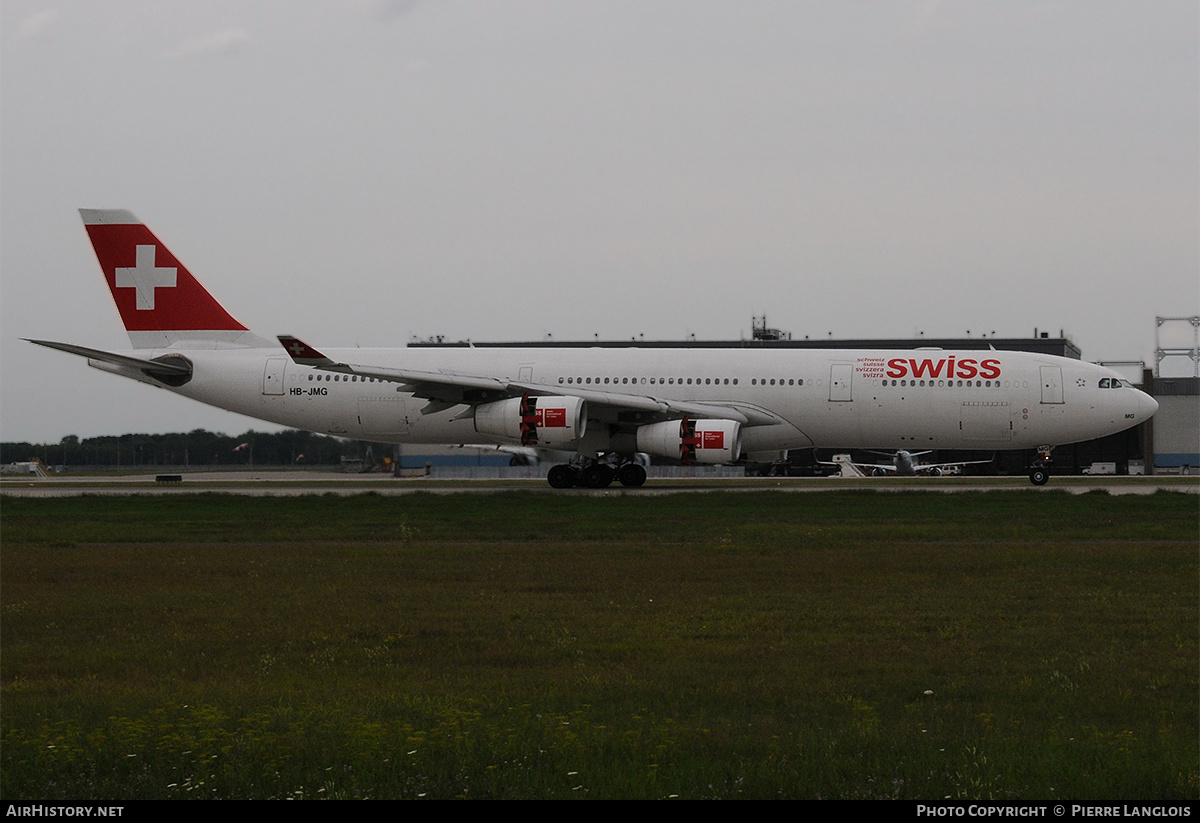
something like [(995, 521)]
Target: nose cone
[(1147, 406)]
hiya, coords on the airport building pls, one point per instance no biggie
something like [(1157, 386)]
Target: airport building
[(1175, 430)]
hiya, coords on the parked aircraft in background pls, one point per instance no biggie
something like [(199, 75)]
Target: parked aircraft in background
[(905, 464), (603, 405)]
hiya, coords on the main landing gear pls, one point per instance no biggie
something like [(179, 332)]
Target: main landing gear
[(593, 474)]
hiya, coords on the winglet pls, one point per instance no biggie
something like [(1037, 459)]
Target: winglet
[(304, 354)]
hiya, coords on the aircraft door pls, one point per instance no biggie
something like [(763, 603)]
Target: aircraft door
[(986, 423), (1052, 391), (273, 375), (382, 416), (840, 376)]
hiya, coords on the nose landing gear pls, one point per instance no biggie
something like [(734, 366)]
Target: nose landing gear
[(1039, 472)]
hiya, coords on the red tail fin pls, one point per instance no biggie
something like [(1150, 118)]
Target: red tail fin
[(159, 300)]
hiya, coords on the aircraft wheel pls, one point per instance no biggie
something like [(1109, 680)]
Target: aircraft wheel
[(596, 476), (631, 474), (561, 476), (1038, 477)]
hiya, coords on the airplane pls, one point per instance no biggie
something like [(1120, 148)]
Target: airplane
[(603, 405), (904, 464)]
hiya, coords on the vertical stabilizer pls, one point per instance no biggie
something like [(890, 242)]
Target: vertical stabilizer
[(159, 300)]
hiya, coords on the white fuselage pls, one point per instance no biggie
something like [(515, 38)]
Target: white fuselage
[(795, 398)]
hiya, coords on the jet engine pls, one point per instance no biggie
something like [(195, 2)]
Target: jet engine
[(541, 422), (692, 441)]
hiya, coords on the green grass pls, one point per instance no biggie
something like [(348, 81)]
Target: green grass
[(998, 645)]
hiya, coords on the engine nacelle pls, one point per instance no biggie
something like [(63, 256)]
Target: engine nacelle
[(541, 422), (692, 441)]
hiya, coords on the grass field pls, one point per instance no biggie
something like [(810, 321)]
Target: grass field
[(842, 644)]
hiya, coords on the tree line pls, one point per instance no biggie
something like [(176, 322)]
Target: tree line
[(196, 448)]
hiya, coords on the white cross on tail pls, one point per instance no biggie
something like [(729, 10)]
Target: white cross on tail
[(145, 277)]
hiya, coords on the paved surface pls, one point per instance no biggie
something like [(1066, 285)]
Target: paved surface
[(289, 483)]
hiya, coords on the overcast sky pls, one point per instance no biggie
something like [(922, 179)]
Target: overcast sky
[(362, 171)]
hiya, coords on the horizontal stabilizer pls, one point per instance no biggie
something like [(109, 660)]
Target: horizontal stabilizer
[(173, 369)]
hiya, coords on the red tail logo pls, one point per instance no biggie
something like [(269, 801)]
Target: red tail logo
[(153, 291)]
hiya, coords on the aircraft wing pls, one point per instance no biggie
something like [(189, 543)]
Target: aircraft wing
[(445, 389), (924, 467)]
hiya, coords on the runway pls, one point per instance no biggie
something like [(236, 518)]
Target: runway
[(297, 483)]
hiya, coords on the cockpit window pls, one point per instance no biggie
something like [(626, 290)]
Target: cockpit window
[(1114, 383), (1105, 382)]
